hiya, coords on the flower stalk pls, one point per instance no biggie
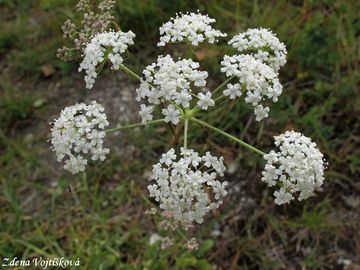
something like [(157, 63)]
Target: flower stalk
[(130, 72), (231, 137), (186, 126), (157, 121), (224, 83)]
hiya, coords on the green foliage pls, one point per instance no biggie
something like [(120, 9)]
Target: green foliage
[(15, 107), (204, 247), (315, 219), (312, 260)]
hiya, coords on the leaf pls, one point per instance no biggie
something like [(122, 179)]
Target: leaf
[(39, 102), (204, 247), (203, 265)]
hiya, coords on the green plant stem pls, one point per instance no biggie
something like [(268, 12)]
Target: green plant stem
[(219, 97), (157, 121), (223, 84), (182, 235), (229, 136), (99, 68), (195, 96), (130, 72), (186, 125), (196, 108), (117, 27)]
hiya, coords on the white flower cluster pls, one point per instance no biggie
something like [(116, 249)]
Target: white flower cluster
[(170, 81), (184, 187), (263, 45), (258, 80), (102, 46), (192, 26), (77, 132), (297, 167)]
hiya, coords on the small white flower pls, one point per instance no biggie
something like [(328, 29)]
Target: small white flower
[(233, 90), (182, 185), (205, 100), (94, 52), (146, 113), (297, 167), (261, 112), (154, 238), (191, 155), (78, 131), (168, 157), (194, 27), (171, 114), (282, 196), (219, 189), (99, 153), (183, 99), (75, 164)]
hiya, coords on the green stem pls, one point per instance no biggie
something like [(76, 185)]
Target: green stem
[(99, 68), (117, 27), (130, 72), (135, 125), (186, 125), (219, 97), (176, 106), (196, 108), (195, 96), (221, 104), (229, 136), (182, 235), (223, 84), (189, 50)]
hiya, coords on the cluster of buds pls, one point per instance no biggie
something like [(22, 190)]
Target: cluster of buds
[(95, 20)]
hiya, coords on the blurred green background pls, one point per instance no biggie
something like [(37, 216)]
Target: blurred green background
[(102, 219)]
